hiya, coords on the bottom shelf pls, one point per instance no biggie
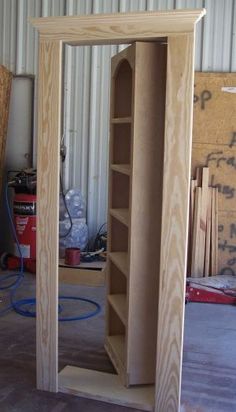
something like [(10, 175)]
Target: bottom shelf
[(115, 347)]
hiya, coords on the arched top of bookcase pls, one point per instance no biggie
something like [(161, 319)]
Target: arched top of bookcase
[(123, 89)]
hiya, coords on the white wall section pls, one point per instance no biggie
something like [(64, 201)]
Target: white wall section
[(86, 79)]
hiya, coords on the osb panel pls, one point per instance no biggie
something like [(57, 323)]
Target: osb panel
[(214, 145), (227, 242), (214, 108), (5, 89)]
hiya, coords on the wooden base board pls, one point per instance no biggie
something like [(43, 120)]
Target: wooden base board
[(105, 387), (89, 274)]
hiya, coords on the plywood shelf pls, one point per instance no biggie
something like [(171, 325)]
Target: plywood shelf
[(120, 259), (122, 168), (119, 304), (121, 120), (121, 214), (115, 346)]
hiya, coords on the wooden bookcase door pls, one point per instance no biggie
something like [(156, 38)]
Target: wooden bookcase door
[(178, 26), (138, 83)]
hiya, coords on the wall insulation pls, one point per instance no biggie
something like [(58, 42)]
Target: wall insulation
[(86, 78)]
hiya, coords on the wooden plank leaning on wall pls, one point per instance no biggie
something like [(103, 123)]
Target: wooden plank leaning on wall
[(5, 90)]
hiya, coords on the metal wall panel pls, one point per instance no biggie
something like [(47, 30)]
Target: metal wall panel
[(233, 53), (195, 4), (87, 73), (77, 86), (160, 4), (8, 33), (99, 126), (26, 37), (53, 8), (217, 35)]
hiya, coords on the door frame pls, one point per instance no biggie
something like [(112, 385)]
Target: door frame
[(178, 27)]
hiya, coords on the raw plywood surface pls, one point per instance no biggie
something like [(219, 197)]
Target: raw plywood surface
[(5, 90), (146, 207), (214, 145)]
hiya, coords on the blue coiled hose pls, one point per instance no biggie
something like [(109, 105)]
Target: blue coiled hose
[(24, 306)]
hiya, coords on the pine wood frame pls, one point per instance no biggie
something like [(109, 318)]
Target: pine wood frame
[(179, 28)]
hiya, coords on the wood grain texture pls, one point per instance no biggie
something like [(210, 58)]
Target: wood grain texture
[(214, 233), (208, 235), (203, 220), (117, 27), (196, 270), (110, 29), (49, 129), (105, 387), (5, 90), (175, 211)]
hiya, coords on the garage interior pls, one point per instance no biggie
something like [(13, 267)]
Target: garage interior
[(118, 302)]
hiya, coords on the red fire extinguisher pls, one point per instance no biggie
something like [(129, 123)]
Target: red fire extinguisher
[(24, 211)]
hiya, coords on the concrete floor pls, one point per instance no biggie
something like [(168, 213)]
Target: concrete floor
[(209, 374)]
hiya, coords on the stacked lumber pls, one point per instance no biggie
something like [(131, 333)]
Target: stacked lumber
[(203, 226), (5, 89)]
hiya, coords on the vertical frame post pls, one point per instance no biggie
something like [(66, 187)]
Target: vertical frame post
[(176, 182), (49, 129)]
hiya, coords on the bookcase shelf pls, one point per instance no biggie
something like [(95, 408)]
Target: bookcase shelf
[(120, 259), (121, 214), (121, 120), (121, 168), (115, 346), (119, 303)]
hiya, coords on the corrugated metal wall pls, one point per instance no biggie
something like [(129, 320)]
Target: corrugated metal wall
[(86, 82)]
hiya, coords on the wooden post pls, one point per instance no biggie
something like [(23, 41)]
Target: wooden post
[(5, 90), (175, 206), (49, 120)]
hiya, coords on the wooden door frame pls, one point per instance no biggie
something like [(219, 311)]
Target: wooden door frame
[(178, 27)]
